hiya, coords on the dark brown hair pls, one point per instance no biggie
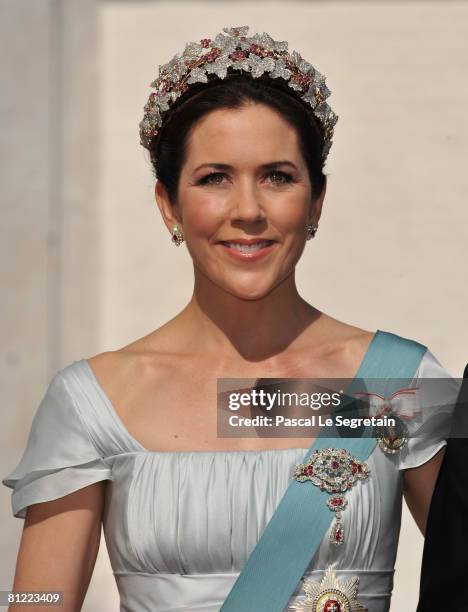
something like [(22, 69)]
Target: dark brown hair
[(168, 148)]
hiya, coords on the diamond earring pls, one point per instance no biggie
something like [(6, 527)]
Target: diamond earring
[(311, 230), (177, 237)]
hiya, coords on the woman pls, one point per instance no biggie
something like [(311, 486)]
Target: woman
[(238, 131)]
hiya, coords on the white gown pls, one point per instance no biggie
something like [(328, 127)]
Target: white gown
[(179, 526)]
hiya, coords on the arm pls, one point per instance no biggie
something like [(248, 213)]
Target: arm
[(418, 486), (59, 545)]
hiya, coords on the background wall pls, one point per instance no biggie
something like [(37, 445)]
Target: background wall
[(87, 264)]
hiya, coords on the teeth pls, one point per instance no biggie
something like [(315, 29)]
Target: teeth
[(247, 248)]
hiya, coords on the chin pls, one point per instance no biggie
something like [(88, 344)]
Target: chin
[(249, 294)]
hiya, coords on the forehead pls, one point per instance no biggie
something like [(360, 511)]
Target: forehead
[(253, 133)]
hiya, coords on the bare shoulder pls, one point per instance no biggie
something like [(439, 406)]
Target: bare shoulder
[(360, 338), (356, 341), (147, 358), (342, 345), (351, 338)]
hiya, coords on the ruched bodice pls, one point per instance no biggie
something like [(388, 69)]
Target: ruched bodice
[(201, 513), (179, 526)]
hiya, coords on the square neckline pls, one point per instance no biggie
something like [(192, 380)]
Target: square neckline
[(119, 422)]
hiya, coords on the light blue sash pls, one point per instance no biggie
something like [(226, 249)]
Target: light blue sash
[(298, 525)]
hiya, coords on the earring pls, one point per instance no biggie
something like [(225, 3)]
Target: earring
[(311, 230), (177, 237)]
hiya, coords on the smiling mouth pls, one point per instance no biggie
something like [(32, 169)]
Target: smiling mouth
[(248, 248)]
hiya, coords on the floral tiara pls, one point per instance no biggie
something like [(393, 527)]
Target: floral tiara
[(256, 55)]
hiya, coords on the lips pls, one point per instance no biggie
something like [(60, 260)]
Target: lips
[(247, 250), (247, 246)]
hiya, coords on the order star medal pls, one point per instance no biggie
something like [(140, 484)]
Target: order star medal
[(330, 595)]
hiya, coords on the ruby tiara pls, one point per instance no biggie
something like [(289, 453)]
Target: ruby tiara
[(257, 54)]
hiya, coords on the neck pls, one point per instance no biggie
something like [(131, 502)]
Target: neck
[(216, 321)]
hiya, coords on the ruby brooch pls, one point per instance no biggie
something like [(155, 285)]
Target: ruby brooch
[(335, 471)]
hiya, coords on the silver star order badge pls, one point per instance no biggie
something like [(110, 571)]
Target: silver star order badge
[(330, 595)]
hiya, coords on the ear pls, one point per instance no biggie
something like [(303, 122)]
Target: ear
[(169, 211), (316, 205)]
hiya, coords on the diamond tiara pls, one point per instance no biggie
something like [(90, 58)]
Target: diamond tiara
[(257, 55)]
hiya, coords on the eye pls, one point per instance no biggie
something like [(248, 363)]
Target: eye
[(207, 180), (286, 178)]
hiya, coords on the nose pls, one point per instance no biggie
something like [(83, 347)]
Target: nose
[(246, 203)]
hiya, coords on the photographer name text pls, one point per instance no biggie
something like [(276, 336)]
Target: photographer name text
[(312, 421)]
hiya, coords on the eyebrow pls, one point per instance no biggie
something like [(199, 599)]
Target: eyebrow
[(268, 166)]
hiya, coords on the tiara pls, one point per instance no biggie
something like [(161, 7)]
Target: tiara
[(256, 55)]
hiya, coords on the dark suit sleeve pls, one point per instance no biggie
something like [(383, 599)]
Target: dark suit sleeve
[(444, 572)]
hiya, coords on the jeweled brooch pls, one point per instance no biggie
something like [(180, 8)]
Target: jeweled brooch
[(335, 471)]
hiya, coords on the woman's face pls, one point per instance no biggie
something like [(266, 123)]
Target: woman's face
[(244, 178)]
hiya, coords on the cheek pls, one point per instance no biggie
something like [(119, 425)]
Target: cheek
[(291, 219), (289, 216), (204, 215)]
